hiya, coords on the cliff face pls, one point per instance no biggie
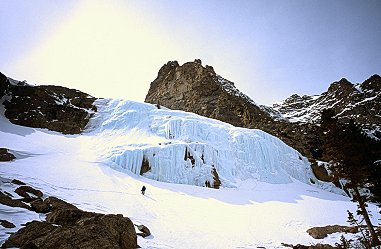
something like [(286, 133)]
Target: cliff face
[(194, 88), (53, 107)]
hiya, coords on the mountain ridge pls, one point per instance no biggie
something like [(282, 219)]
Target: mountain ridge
[(360, 102)]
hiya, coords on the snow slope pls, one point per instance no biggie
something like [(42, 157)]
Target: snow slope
[(251, 212)]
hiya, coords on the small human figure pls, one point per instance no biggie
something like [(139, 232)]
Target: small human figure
[(143, 190)]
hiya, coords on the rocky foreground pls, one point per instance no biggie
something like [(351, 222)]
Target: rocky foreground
[(66, 226)]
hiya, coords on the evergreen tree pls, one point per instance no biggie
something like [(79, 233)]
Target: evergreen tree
[(351, 160)]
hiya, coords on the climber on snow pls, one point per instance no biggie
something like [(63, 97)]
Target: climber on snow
[(143, 190)]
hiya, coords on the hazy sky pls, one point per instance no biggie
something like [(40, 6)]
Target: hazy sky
[(269, 49)]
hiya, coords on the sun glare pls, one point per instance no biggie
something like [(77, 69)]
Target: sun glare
[(100, 47)]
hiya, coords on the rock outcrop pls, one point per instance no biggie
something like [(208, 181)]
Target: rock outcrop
[(323, 232), (53, 107), (5, 155), (26, 191), (9, 201), (144, 231), (96, 231), (7, 224), (66, 226), (195, 88)]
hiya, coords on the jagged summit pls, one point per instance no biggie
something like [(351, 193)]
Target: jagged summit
[(361, 102), (372, 85), (195, 88)]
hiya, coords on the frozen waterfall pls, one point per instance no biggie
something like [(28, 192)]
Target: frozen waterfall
[(180, 147)]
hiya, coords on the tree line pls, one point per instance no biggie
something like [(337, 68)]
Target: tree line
[(355, 161)]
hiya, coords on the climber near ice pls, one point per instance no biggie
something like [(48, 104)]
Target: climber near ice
[(143, 190)]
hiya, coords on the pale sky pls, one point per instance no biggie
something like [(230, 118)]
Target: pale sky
[(270, 49)]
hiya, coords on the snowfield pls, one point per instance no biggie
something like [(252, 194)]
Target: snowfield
[(267, 196)]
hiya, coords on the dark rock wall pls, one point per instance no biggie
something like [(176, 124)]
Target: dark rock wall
[(53, 107), (361, 102)]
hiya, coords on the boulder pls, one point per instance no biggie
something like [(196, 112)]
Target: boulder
[(17, 182), (24, 191), (5, 155), (67, 217), (7, 224), (317, 246), (56, 204), (39, 206), (66, 226), (322, 232), (144, 231), (321, 173), (8, 201), (98, 231)]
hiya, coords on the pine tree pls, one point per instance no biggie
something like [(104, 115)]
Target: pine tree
[(347, 150), (365, 240), (344, 243)]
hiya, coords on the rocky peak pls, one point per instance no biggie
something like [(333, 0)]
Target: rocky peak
[(373, 84), (341, 88), (168, 69), (195, 88), (360, 102), (297, 99), (293, 98)]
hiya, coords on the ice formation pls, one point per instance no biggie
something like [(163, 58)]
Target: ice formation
[(180, 147)]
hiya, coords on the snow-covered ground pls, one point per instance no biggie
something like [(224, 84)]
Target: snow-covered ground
[(260, 204)]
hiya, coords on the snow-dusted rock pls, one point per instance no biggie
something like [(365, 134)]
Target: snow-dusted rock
[(361, 102), (56, 108)]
